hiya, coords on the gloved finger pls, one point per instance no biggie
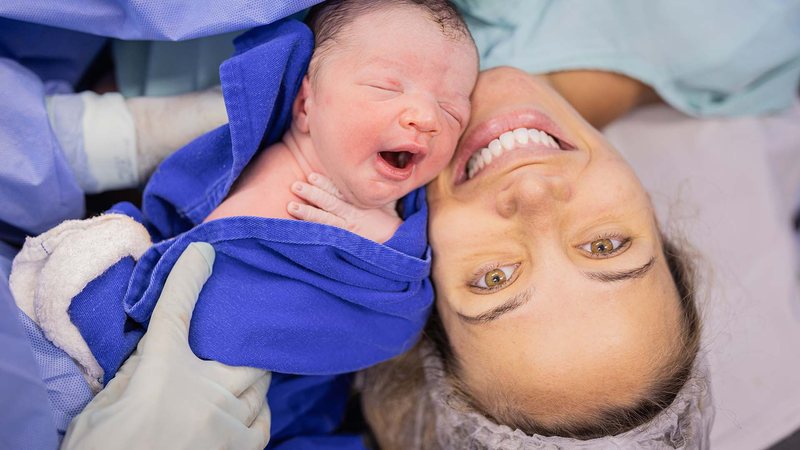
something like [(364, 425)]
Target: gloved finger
[(238, 412), (257, 435), (319, 198), (108, 396), (324, 183), (255, 397), (234, 379), (316, 215), (117, 385), (173, 312)]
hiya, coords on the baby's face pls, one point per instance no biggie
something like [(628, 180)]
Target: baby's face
[(388, 104)]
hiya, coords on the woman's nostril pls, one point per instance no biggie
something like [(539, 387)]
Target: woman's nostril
[(505, 204), (532, 192)]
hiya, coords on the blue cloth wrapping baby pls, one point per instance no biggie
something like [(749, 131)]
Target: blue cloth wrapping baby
[(288, 296)]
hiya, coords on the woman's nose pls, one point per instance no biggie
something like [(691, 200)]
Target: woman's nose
[(532, 193), (421, 115)]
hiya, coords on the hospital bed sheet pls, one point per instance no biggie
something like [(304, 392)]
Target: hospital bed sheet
[(730, 186)]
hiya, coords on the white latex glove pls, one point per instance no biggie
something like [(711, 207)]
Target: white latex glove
[(117, 143), (166, 397), (326, 206), (165, 124)]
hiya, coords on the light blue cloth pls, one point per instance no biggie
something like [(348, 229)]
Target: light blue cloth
[(710, 57), (157, 68)]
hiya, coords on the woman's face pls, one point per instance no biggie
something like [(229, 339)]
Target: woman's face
[(550, 278)]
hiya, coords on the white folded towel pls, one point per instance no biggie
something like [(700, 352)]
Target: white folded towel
[(54, 267)]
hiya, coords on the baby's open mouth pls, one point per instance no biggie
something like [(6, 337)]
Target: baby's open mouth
[(399, 163), (396, 159)]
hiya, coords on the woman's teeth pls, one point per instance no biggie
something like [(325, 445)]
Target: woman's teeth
[(506, 142)]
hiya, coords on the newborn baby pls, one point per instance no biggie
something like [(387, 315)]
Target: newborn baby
[(379, 114)]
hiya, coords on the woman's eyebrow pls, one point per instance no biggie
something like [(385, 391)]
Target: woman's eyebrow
[(612, 277), (509, 305)]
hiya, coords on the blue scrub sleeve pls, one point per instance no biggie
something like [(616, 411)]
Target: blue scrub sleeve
[(37, 188), (711, 57), (25, 418), (153, 20), (58, 56)]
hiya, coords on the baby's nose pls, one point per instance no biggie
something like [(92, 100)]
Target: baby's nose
[(421, 115)]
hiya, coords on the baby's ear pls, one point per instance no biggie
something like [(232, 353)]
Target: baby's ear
[(300, 106)]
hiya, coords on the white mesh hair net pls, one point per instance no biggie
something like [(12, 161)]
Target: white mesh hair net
[(685, 424)]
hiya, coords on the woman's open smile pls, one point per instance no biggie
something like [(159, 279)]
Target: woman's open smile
[(519, 137)]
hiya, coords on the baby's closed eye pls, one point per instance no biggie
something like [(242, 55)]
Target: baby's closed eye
[(453, 112), (384, 85)]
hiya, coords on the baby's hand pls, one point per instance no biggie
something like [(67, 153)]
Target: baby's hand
[(326, 206)]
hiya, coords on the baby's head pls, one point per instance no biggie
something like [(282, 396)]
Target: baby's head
[(386, 97)]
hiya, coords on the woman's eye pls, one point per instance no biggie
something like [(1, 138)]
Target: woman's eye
[(495, 278), (604, 247)]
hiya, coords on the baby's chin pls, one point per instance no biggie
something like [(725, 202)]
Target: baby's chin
[(377, 194)]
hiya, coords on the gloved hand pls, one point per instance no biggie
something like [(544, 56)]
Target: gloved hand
[(166, 397), (165, 124), (326, 206), (112, 143)]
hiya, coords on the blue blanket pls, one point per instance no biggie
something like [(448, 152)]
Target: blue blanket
[(288, 296)]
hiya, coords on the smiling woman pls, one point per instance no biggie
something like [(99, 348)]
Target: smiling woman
[(561, 310)]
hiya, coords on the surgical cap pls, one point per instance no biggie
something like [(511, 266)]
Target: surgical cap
[(685, 424)]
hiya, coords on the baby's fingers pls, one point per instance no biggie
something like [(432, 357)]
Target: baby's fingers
[(324, 183), (319, 198), (312, 214)]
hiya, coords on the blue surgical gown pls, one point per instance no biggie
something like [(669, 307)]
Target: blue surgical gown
[(26, 420), (37, 189)]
